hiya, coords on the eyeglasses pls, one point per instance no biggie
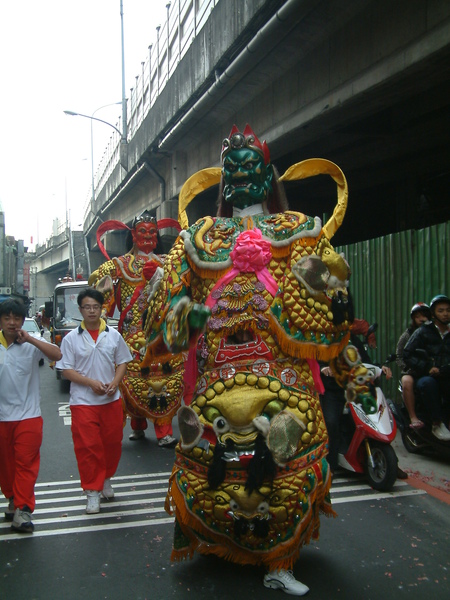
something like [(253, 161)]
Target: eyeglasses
[(91, 307)]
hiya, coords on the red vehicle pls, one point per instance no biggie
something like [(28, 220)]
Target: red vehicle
[(365, 446)]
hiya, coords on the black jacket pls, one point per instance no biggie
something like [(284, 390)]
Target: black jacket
[(436, 351)]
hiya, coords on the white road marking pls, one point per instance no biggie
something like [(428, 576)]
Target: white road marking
[(89, 528), (61, 505)]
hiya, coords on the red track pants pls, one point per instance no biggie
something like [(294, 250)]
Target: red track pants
[(20, 443), (97, 438)]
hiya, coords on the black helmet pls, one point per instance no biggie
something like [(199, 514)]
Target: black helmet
[(421, 307), (437, 300)]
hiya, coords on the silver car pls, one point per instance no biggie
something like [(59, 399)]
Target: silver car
[(33, 328)]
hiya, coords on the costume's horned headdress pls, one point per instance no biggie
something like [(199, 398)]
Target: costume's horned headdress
[(145, 217), (247, 139)]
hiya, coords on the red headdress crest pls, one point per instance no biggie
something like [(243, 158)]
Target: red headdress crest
[(113, 225), (247, 139)]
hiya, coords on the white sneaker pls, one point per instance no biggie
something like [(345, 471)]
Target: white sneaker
[(93, 502), (108, 491), (168, 441), (137, 434), (22, 520), (441, 432), (285, 581)]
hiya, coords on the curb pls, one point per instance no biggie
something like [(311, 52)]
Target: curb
[(438, 493)]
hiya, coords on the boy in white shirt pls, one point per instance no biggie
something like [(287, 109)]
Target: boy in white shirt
[(94, 360), (20, 413)]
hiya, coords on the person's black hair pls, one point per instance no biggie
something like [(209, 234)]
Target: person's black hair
[(14, 307), (90, 292), (412, 325)]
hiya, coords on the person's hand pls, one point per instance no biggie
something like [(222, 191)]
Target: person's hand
[(110, 389), (22, 336), (98, 387), (198, 316), (387, 371), (434, 371)]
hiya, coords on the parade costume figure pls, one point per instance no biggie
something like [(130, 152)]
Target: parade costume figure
[(129, 282), (256, 295)]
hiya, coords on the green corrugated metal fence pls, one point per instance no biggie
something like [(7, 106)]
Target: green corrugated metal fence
[(390, 274)]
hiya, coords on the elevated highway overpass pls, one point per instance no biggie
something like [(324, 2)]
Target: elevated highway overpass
[(66, 251), (362, 83)]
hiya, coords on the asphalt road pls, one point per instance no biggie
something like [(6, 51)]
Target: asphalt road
[(380, 546)]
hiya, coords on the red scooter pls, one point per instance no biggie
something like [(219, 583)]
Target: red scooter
[(365, 445)]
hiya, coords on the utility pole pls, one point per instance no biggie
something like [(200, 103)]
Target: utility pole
[(123, 141)]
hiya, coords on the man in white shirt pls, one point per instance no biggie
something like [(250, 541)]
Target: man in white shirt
[(20, 412), (94, 360)]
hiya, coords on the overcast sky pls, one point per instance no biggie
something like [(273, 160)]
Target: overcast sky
[(61, 55)]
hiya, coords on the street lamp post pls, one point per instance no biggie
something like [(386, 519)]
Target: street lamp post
[(124, 138), (71, 113), (92, 118)]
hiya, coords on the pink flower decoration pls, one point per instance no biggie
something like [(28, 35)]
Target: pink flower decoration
[(251, 252)]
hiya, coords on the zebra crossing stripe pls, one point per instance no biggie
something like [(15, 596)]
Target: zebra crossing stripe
[(139, 502)]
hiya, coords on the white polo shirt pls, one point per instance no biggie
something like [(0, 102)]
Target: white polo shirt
[(19, 381), (96, 360)]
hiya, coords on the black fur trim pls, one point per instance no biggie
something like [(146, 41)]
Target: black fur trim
[(261, 467), (218, 468), (240, 527), (337, 309), (261, 528)]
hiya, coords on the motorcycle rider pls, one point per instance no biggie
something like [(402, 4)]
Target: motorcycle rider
[(427, 354), (420, 314)]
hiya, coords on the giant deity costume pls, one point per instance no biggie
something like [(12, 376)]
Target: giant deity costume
[(129, 282), (256, 296)]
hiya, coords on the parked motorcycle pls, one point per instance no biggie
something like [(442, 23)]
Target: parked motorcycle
[(365, 445), (418, 440)]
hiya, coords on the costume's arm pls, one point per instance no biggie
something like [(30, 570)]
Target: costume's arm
[(351, 374), (103, 280), (312, 311), (184, 323), (173, 320)]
